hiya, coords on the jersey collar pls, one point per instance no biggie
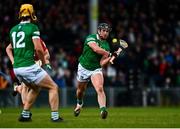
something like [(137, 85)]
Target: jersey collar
[(22, 22), (98, 37)]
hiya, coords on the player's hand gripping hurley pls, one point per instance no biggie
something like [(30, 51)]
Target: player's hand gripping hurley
[(123, 44)]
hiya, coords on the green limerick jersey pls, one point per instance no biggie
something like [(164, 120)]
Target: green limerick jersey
[(21, 37), (90, 59)]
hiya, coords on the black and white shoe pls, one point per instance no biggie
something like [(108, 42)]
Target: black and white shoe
[(23, 119), (14, 93), (77, 110), (104, 114), (57, 120)]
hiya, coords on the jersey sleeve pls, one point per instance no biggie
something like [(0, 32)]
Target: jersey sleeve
[(35, 32), (90, 39)]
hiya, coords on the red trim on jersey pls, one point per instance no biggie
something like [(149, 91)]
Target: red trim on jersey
[(44, 48), (12, 75), (43, 45)]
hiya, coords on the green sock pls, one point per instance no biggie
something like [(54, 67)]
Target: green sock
[(79, 101), (103, 109)]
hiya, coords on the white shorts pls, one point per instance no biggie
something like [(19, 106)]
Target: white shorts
[(83, 75), (31, 74)]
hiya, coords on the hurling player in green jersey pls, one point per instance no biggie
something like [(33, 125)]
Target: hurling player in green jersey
[(21, 88), (25, 40), (95, 55)]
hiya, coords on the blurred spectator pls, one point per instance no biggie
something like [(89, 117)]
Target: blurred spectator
[(151, 27)]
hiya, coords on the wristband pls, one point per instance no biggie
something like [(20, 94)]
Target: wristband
[(48, 66)]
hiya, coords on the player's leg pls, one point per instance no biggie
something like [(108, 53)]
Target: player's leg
[(81, 87), (98, 82), (24, 93), (41, 80), (18, 88), (16, 83), (22, 90), (82, 81), (49, 84), (31, 96), (28, 101)]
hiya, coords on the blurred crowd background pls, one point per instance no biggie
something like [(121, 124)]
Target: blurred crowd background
[(151, 28)]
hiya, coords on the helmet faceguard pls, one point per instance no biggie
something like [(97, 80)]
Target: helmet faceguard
[(27, 10), (104, 26)]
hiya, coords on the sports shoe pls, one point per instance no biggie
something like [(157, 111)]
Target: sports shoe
[(14, 93), (58, 120), (23, 119), (77, 110), (15, 85), (104, 114)]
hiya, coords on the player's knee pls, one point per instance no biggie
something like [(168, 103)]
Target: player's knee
[(55, 88), (80, 89), (100, 90)]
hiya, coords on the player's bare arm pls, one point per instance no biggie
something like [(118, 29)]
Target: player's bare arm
[(98, 49), (9, 53), (104, 61), (46, 52), (46, 56), (39, 49), (115, 55)]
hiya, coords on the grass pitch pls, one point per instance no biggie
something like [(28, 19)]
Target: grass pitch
[(123, 117)]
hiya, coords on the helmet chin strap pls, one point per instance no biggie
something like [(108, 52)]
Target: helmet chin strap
[(100, 35)]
